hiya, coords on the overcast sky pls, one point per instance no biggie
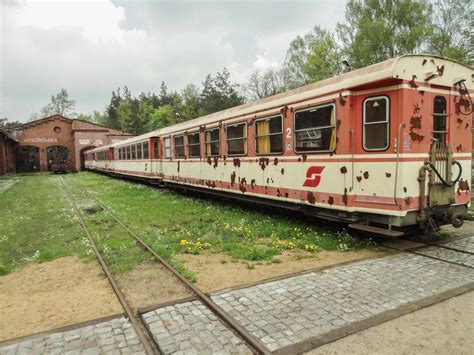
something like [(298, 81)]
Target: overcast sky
[(92, 47)]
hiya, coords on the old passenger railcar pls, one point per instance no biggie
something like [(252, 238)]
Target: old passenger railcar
[(388, 145)]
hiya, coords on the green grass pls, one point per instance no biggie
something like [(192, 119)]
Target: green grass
[(180, 224), (38, 224)]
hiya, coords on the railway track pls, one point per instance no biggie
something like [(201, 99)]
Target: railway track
[(441, 251), (152, 347)]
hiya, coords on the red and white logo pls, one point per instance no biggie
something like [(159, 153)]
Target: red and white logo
[(313, 176)]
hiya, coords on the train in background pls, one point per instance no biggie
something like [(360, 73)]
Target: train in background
[(383, 148)]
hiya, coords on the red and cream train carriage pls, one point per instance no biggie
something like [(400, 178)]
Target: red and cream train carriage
[(388, 145)]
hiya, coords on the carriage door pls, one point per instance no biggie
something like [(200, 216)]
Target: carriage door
[(374, 176)]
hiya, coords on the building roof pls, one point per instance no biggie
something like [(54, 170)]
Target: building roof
[(70, 120), (417, 67), (7, 134)]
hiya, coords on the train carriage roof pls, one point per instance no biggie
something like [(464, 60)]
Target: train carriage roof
[(422, 68)]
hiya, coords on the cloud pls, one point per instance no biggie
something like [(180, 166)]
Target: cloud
[(92, 47)]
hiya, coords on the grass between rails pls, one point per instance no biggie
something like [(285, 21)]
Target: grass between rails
[(36, 223), (173, 223)]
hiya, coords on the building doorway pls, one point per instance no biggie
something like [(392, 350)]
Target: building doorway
[(27, 159), (57, 154)]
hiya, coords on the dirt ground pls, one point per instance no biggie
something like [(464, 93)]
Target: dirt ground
[(149, 284), (444, 328), (45, 296), (217, 271)]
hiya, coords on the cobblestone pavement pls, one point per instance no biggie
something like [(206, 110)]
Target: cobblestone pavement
[(116, 336), (449, 255), (291, 310), (191, 328), (466, 244)]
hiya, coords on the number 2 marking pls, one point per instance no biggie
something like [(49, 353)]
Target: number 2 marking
[(288, 133)]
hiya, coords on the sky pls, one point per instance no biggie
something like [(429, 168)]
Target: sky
[(92, 47)]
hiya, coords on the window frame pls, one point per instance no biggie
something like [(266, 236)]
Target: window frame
[(184, 146), (210, 142), (156, 149), (233, 139), (437, 115), (139, 150), (194, 144), (147, 150), (167, 156), (372, 98), (295, 150), (270, 134)]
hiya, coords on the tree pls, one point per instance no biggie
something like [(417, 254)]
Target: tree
[(452, 24), (59, 104), (219, 93), (191, 102), (324, 58), (261, 85), (94, 117), (314, 57), (376, 30), (111, 118), (4, 123)]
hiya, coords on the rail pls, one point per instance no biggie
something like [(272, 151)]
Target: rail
[(218, 311)]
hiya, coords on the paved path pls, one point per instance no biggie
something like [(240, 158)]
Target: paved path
[(282, 312), (115, 336)]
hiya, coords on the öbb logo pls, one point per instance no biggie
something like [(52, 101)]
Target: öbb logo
[(313, 176)]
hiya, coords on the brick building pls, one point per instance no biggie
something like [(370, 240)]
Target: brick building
[(7, 152), (57, 137)]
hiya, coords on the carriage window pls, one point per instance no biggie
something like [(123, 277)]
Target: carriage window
[(139, 151), (212, 142), (167, 148), (194, 148), (237, 139), (179, 147), (269, 135), (146, 153), (134, 152), (155, 150), (315, 129), (376, 118), (439, 119)]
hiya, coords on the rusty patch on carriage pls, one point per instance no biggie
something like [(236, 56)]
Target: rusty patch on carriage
[(211, 184), (388, 175), (463, 186), (263, 162), (342, 99), (345, 198), (440, 70), (237, 162), (252, 183), (232, 178), (275, 161), (330, 200), (359, 178), (209, 160), (415, 122), (412, 82), (278, 193), (343, 170), (243, 185), (310, 197), (216, 162), (416, 137), (366, 175), (304, 156), (178, 166), (459, 148), (408, 200), (405, 189), (282, 171), (286, 194), (299, 159)]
